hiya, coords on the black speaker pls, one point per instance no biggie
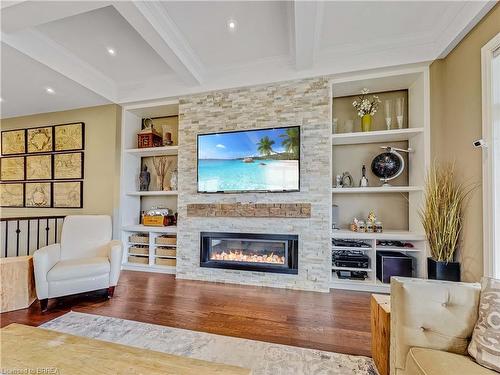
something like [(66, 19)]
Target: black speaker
[(391, 263)]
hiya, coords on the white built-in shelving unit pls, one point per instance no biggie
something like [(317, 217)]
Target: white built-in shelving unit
[(416, 81), (131, 199)]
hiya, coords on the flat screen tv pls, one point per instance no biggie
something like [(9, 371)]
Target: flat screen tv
[(262, 160)]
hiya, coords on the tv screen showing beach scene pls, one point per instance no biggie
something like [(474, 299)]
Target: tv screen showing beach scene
[(265, 160)]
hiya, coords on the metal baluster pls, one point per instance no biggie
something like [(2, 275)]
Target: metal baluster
[(28, 240), (47, 233), (17, 239), (6, 236), (38, 235), (55, 232)]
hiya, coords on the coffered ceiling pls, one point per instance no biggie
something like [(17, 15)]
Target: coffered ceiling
[(98, 52)]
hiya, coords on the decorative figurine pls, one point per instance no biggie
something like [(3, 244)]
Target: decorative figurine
[(167, 136), (173, 180), (354, 225), (364, 181), (338, 181), (371, 217), (347, 180), (144, 179)]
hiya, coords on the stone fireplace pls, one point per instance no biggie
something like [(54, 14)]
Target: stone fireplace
[(276, 253), (304, 214)]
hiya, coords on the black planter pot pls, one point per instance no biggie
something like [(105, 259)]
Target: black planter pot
[(449, 271)]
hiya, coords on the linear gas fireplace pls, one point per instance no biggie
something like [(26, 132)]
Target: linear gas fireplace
[(276, 253)]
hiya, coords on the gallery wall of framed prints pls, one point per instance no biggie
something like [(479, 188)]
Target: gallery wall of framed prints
[(43, 167)]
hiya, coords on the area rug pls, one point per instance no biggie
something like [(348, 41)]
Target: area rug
[(262, 357)]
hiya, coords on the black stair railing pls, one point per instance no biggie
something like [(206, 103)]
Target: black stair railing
[(23, 235)]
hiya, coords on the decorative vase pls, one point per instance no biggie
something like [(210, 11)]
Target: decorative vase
[(173, 180), (437, 270), (366, 123)]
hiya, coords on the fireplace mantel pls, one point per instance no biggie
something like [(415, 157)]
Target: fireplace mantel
[(288, 210)]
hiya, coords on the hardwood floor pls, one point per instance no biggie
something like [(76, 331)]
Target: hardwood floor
[(338, 321)]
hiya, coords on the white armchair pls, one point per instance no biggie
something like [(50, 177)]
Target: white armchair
[(85, 260)]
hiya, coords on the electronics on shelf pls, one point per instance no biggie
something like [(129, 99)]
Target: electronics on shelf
[(350, 259), (349, 243), (391, 263)]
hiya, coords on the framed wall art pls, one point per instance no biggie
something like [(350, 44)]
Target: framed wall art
[(12, 195), (43, 167), (14, 142), (68, 166), (12, 168), (68, 194), (38, 194), (38, 167), (69, 137), (40, 139)]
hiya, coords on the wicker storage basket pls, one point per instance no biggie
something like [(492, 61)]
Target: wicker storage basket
[(165, 262), (138, 250), (166, 240), (166, 251), (136, 259), (139, 239)]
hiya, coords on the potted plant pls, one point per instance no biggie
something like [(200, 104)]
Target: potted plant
[(366, 109), (442, 219)]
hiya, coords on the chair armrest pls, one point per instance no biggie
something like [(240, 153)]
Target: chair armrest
[(431, 314), (115, 253), (43, 260)]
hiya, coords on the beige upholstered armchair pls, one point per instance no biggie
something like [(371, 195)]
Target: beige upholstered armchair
[(85, 260), (431, 325)]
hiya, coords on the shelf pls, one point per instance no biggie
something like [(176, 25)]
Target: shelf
[(335, 268), (152, 193), (153, 151), (164, 256), (402, 249), (378, 136), (139, 255), (367, 285), (377, 189), (148, 268), (386, 235), (143, 228)]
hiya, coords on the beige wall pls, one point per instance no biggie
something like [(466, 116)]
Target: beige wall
[(102, 140), (456, 123)]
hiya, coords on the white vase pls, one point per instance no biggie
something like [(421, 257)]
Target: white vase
[(173, 180)]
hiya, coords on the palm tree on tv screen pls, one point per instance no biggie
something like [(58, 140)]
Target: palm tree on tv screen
[(265, 146), (291, 141)]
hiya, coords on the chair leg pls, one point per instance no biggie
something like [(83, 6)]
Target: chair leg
[(43, 304), (111, 291)]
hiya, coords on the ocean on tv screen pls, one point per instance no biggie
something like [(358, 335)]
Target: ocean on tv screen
[(258, 160)]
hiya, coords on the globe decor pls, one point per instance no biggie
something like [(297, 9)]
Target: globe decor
[(366, 109), (388, 165)]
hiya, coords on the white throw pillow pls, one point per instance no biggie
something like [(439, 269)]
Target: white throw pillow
[(485, 343)]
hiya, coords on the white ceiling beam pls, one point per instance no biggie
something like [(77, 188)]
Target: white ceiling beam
[(44, 50), (307, 17), (20, 15), (152, 22)]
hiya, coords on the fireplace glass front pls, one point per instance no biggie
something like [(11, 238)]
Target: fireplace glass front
[(258, 252)]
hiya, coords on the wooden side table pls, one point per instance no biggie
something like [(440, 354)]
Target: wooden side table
[(380, 306), (17, 283)]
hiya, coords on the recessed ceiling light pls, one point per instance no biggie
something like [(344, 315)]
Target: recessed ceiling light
[(231, 24), (111, 51), (50, 90)]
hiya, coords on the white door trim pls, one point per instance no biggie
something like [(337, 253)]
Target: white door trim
[(489, 237)]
